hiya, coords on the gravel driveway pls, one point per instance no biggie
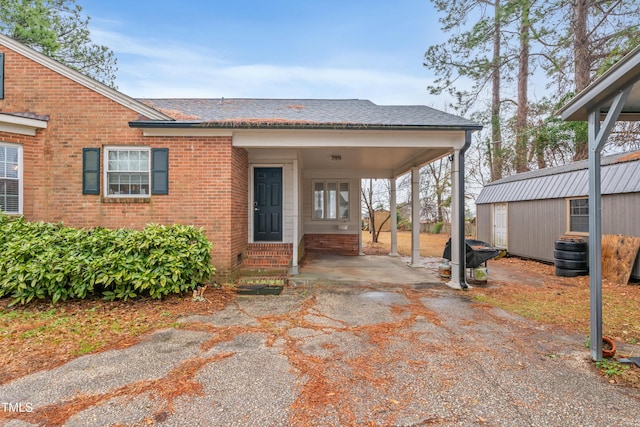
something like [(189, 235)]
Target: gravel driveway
[(327, 354)]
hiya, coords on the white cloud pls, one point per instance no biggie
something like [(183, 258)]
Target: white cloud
[(156, 69)]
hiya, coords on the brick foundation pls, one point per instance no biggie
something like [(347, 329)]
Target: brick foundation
[(342, 244), (267, 256)]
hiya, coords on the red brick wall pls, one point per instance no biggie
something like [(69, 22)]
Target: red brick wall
[(207, 176), (342, 244), (239, 204)]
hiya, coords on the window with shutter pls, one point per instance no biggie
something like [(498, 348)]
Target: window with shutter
[(127, 171), (136, 171)]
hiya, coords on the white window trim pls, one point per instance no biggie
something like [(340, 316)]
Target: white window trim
[(20, 175), (326, 199), (105, 173), (576, 233)]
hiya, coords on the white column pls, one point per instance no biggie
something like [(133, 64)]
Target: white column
[(295, 219), (415, 217), (359, 192), (394, 218), (456, 178)]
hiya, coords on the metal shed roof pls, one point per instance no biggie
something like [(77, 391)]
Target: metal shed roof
[(620, 174)]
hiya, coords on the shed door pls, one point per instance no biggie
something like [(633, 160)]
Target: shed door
[(500, 225)]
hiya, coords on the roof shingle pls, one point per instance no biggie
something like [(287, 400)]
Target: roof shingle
[(247, 111)]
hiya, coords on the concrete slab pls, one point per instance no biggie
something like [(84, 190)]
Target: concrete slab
[(378, 269)]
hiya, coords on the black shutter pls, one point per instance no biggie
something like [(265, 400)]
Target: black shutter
[(90, 171), (1, 75), (159, 171)]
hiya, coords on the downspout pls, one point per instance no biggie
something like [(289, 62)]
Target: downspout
[(461, 203)]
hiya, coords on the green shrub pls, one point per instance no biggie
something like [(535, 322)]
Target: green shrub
[(43, 260)]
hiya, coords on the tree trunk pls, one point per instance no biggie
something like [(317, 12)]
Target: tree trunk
[(582, 62), (522, 140), (496, 134)]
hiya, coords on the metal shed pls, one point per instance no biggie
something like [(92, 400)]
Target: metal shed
[(614, 96), (537, 206)]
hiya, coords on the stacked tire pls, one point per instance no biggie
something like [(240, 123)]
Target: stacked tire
[(571, 258)]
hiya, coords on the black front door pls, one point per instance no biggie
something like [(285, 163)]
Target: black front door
[(267, 204)]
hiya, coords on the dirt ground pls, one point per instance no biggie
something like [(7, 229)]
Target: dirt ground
[(431, 245)]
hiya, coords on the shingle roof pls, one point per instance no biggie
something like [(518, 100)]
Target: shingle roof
[(620, 174), (246, 111)]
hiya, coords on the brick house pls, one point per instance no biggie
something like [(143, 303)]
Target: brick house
[(266, 178)]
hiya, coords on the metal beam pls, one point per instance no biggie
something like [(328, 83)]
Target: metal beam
[(598, 135)]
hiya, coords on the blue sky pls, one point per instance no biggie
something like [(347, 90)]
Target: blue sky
[(270, 48)]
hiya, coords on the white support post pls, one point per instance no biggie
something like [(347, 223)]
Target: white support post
[(296, 208), (394, 218), (456, 177), (359, 192), (415, 217)]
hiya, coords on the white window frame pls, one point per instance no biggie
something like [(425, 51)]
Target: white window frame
[(325, 211), (106, 171), (20, 176), (569, 231)]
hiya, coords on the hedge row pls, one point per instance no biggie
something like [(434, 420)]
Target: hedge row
[(40, 260)]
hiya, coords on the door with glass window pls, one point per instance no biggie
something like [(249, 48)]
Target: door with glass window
[(267, 204)]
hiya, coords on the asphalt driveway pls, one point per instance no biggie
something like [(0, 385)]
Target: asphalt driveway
[(332, 353)]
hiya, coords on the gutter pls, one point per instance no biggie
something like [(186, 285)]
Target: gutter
[(462, 246), (148, 124)]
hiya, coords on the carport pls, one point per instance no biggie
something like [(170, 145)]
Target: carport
[(305, 159), (615, 96)]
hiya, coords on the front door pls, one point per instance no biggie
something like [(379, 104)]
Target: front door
[(267, 204)]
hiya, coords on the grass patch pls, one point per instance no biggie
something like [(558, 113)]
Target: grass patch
[(611, 368)]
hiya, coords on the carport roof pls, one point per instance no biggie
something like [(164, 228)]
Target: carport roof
[(298, 113), (601, 92)]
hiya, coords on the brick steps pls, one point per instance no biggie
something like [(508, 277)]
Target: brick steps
[(266, 257)]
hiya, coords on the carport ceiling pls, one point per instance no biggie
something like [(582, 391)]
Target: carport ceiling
[(386, 160)]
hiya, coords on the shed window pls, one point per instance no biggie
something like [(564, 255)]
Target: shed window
[(579, 215), (330, 200)]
